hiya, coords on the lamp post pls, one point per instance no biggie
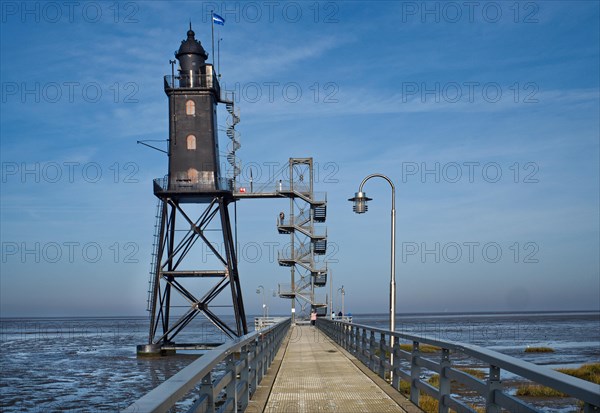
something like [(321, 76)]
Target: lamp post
[(341, 290), (263, 294), (331, 310), (360, 207)]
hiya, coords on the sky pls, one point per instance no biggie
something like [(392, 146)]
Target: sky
[(485, 115)]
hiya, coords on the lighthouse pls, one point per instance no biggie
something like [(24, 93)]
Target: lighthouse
[(192, 197), (193, 220)]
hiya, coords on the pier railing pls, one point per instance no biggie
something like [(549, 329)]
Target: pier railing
[(372, 347), (222, 379)]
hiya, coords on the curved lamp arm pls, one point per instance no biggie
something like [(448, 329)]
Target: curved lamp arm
[(364, 181)]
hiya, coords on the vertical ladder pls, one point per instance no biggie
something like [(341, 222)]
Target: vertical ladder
[(151, 280)]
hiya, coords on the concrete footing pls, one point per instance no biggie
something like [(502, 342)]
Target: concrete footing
[(152, 350)]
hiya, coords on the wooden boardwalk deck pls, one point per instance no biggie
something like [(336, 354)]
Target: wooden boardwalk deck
[(313, 374)]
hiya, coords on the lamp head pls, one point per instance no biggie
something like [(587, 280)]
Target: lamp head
[(360, 202)]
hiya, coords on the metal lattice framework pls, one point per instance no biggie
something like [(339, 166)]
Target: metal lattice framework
[(180, 236)]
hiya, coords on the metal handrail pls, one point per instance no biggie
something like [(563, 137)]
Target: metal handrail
[(375, 352), (295, 220), (296, 254), (193, 80), (247, 359), (223, 184)]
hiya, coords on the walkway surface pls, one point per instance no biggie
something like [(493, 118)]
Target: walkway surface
[(316, 375)]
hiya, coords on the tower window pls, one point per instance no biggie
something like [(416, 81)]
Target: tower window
[(193, 175), (190, 108), (191, 142)]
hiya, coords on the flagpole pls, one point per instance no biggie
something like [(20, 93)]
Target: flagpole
[(212, 29)]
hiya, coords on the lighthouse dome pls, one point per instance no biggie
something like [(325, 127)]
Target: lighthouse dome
[(191, 54)]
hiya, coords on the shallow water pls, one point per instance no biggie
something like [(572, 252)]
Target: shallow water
[(87, 365)]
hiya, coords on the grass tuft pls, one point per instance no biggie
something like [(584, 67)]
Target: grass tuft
[(539, 350), (404, 387), (537, 390), (589, 372), (475, 373), (427, 403), (430, 405), (423, 348), (435, 379)]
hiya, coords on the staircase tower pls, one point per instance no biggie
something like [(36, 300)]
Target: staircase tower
[(307, 241)]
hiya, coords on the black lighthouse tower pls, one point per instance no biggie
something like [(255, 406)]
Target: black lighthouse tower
[(192, 208), (193, 143)]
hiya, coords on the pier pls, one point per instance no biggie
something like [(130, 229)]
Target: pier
[(338, 366), (313, 374)]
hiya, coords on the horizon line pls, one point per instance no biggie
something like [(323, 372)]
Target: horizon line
[(504, 312)]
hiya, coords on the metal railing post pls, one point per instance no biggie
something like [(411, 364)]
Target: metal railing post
[(363, 347), (396, 365), (333, 332), (231, 388), (493, 384), (266, 356), (269, 346), (273, 344), (415, 373), (244, 396), (347, 337), (206, 388), (253, 379), (261, 358), (445, 387), (382, 355), (372, 347), (350, 339)]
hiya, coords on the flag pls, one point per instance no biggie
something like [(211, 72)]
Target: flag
[(218, 19)]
